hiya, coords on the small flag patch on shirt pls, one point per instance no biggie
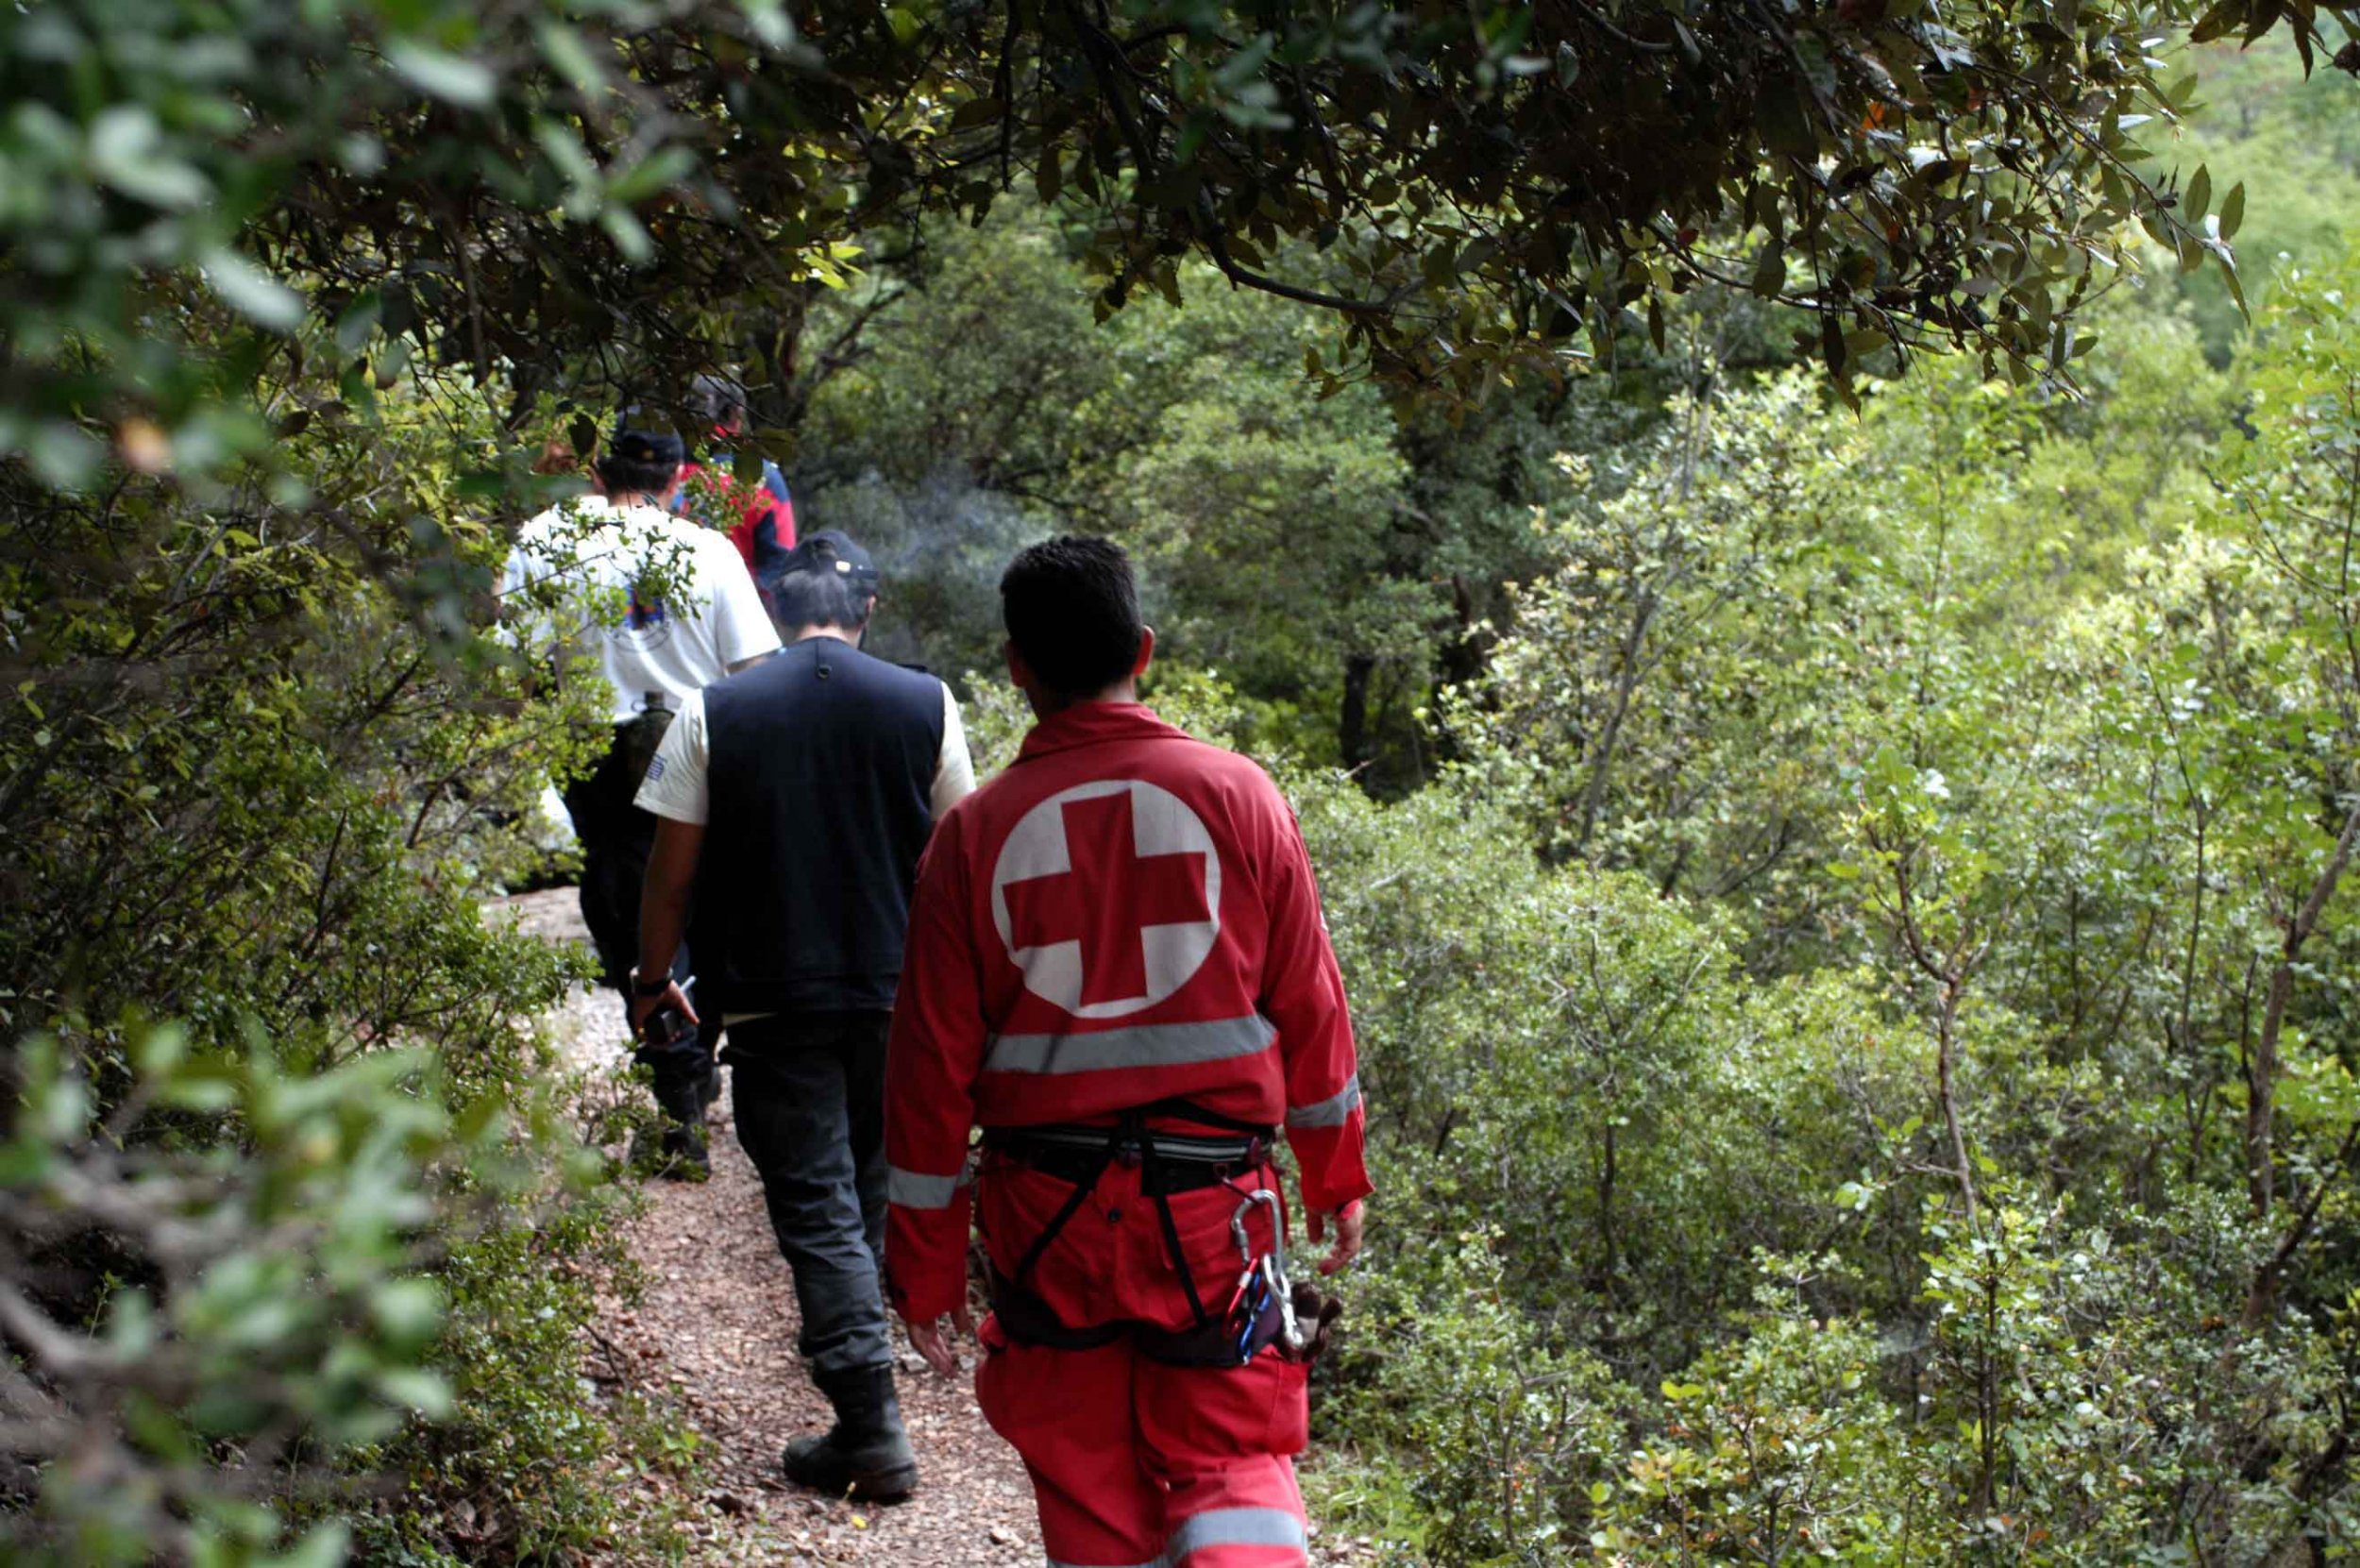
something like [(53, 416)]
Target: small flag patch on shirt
[(655, 769)]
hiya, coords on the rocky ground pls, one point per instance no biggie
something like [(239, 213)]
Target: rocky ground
[(714, 1335)]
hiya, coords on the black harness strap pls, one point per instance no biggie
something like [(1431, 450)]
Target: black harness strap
[(1029, 1319), (1189, 1110), (1080, 1195), (1130, 1129), (1151, 1168)]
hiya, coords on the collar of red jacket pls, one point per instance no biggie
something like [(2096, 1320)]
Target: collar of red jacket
[(1092, 723)]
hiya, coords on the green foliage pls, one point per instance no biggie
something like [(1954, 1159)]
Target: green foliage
[(1512, 1437), (1624, 1116), (523, 1466), (262, 761), (2286, 138), (1777, 1445), (987, 408), (1480, 189), (184, 178), (2021, 1076), (703, 163), (261, 1298), (1248, 481), (1682, 576), (1856, 986)]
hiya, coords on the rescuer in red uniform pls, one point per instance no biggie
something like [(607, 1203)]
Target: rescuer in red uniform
[(1117, 969)]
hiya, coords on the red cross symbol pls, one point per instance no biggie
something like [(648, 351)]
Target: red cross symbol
[(1108, 898)]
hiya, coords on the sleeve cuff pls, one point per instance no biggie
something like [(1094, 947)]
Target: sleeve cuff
[(1328, 1200), (671, 811), (925, 1262), (1330, 1159)]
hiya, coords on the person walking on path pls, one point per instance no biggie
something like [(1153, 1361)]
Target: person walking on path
[(679, 611), (795, 799), (760, 521), (1116, 966)]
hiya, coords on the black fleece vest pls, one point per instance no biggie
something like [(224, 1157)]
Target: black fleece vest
[(822, 771)]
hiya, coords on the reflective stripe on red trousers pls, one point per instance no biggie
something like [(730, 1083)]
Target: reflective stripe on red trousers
[(1136, 1464)]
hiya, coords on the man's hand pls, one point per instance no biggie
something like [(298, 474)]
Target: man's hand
[(1347, 1224), (671, 996), (928, 1340)]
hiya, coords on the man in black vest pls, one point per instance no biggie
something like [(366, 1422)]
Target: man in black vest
[(794, 800)]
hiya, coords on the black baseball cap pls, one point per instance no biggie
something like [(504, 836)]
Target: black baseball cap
[(654, 446), (829, 550)]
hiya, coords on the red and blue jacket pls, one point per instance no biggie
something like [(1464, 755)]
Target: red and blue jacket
[(764, 530)]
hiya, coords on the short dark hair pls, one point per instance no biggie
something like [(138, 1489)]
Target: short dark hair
[(637, 460), (1072, 609), (818, 599), (628, 476)]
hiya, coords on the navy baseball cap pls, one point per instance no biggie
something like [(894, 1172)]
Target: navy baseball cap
[(829, 550)]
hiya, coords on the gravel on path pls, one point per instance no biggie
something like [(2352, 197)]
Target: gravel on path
[(714, 1336)]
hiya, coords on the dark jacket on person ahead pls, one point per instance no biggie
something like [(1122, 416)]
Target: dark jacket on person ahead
[(823, 767)]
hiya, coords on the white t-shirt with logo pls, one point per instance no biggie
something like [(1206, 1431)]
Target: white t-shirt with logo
[(677, 646)]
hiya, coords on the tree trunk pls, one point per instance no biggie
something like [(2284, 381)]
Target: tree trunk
[(1462, 654), (1610, 1263), (1459, 662), (1351, 726), (1625, 682), (2261, 1086), (2261, 1102), (2262, 1295), (1946, 1068)]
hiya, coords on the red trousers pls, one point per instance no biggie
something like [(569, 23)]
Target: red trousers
[(1137, 1463)]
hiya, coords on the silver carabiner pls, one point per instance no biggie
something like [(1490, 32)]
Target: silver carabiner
[(1277, 1226), (1273, 1262)]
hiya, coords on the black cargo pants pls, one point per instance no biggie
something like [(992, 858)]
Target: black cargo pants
[(617, 840), (808, 1093)]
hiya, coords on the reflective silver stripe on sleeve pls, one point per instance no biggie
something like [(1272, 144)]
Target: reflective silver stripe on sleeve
[(1330, 1112), (914, 1189), (1233, 1527), (1147, 1045)]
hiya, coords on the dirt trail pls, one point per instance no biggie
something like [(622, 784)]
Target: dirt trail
[(716, 1332)]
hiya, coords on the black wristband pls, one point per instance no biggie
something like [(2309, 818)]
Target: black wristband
[(642, 992)]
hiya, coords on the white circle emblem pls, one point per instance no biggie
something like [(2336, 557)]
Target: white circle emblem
[(1131, 924)]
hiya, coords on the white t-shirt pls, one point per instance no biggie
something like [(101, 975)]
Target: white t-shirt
[(675, 648), (677, 784)]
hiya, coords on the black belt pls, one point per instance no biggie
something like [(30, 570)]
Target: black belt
[(1171, 1162)]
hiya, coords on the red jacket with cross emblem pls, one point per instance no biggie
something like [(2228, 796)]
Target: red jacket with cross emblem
[(1126, 915)]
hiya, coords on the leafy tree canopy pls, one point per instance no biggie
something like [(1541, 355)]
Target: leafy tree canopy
[(1486, 185), (522, 188)]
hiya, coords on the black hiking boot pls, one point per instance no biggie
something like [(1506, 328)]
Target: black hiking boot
[(865, 1455), (678, 1152), (685, 1156)]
